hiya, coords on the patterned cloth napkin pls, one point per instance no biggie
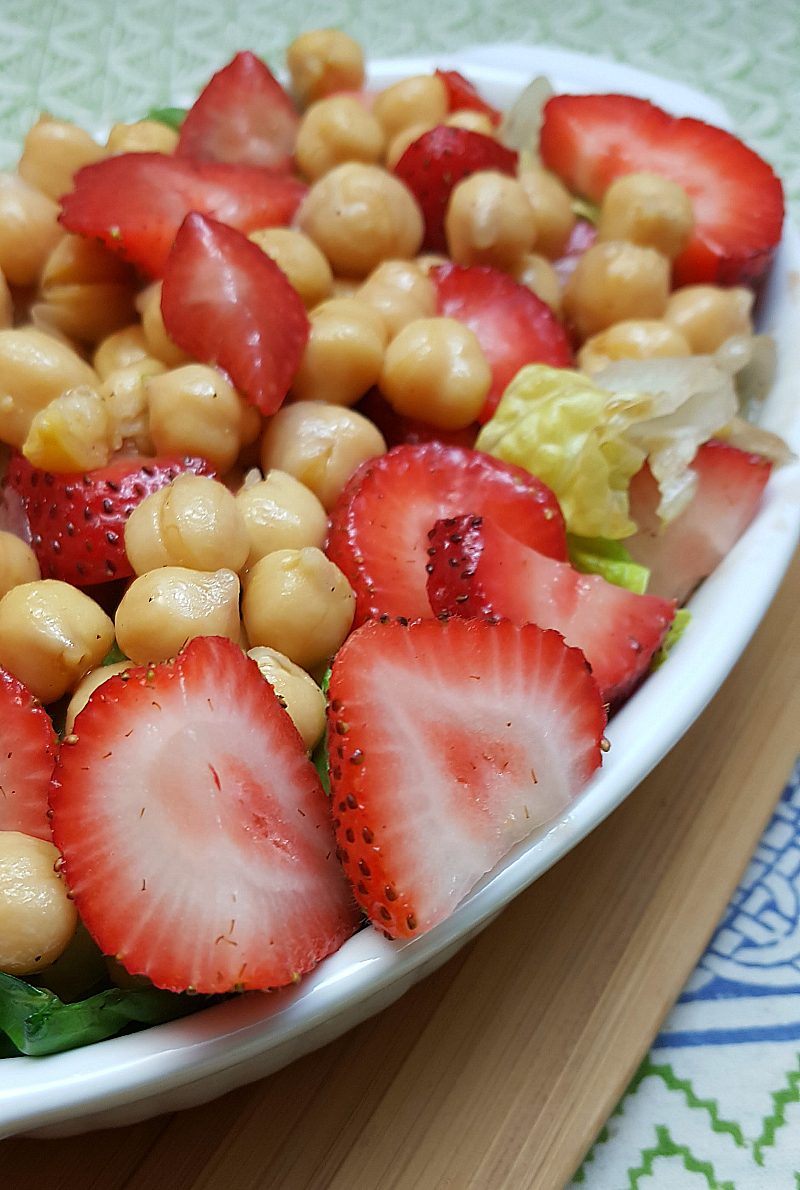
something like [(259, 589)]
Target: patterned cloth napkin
[(716, 1103)]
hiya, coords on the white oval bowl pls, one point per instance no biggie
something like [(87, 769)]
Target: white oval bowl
[(195, 1059)]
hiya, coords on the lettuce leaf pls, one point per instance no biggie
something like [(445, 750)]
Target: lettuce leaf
[(679, 624), (173, 117), (609, 559), (34, 1021)]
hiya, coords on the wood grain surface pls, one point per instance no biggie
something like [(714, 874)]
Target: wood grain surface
[(497, 1072)]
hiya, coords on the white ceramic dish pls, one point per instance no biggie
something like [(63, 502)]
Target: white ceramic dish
[(195, 1059)]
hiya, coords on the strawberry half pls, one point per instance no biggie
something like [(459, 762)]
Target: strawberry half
[(589, 140), (378, 532), (195, 833), (463, 96), (28, 747), (450, 743), (77, 521), (514, 327), (682, 553), (438, 161), (243, 116), (136, 202), (477, 570), (225, 302)]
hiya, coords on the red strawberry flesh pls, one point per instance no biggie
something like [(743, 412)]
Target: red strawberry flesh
[(225, 302), (195, 833), (463, 96), (514, 327), (589, 140), (379, 527), (478, 570), (135, 202), (449, 744), (28, 747), (243, 117)]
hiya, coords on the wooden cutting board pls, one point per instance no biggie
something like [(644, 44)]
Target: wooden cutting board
[(498, 1071)]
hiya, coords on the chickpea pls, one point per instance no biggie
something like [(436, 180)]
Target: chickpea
[(400, 292), (51, 634), (635, 338), (343, 287), (76, 260), (649, 210), (614, 281), (403, 139), (28, 230), (86, 291), (35, 368), (430, 260), (72, 433), (304, 701), (489, 221), (167, 607), (537, 274), (280, 514), (145, 136), (324, 61), (6, 304), (552, 208), (360, 215), (53, 152), (300, 259), (119, 349), (343, 355), (158, 341), (18, 562), (195, 411), (321, 445), (86, 688), (708, 315), (421, 98), (435, 370), (335, 130), (193, 522), (37, 918), (473, 121), (125, 398), (300, 603)]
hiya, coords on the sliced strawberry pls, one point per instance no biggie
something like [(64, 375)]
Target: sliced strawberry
[(477, 569), (28, 747), (195, 832), (243, 116), (589, 140), (514, 327), (78, 520), (449, 743), (682, 553), (226, 302), (136, 202), (398, 429), (379, 527), (437, 161), (463, 95)]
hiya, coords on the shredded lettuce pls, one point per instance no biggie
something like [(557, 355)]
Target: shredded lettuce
[(114, 655), (679, 624), (173, 117), (609, 559), (34, 1021), (320, 754)]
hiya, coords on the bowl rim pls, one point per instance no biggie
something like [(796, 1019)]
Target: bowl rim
[(347, 986)]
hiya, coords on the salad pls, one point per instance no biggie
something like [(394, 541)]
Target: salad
[(422, 277)]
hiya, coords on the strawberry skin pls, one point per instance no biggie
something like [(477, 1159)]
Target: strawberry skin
[(679, 555), (589, 140), (195, 832), (450, 743), (226, 302), (438, 161), (379, 526), (77, 521), (136, 202), (243, 117), (476, 570), (513, 326), (28, 747), (463, 96)]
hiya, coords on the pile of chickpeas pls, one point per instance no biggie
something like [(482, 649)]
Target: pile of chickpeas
[(87, 371)]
